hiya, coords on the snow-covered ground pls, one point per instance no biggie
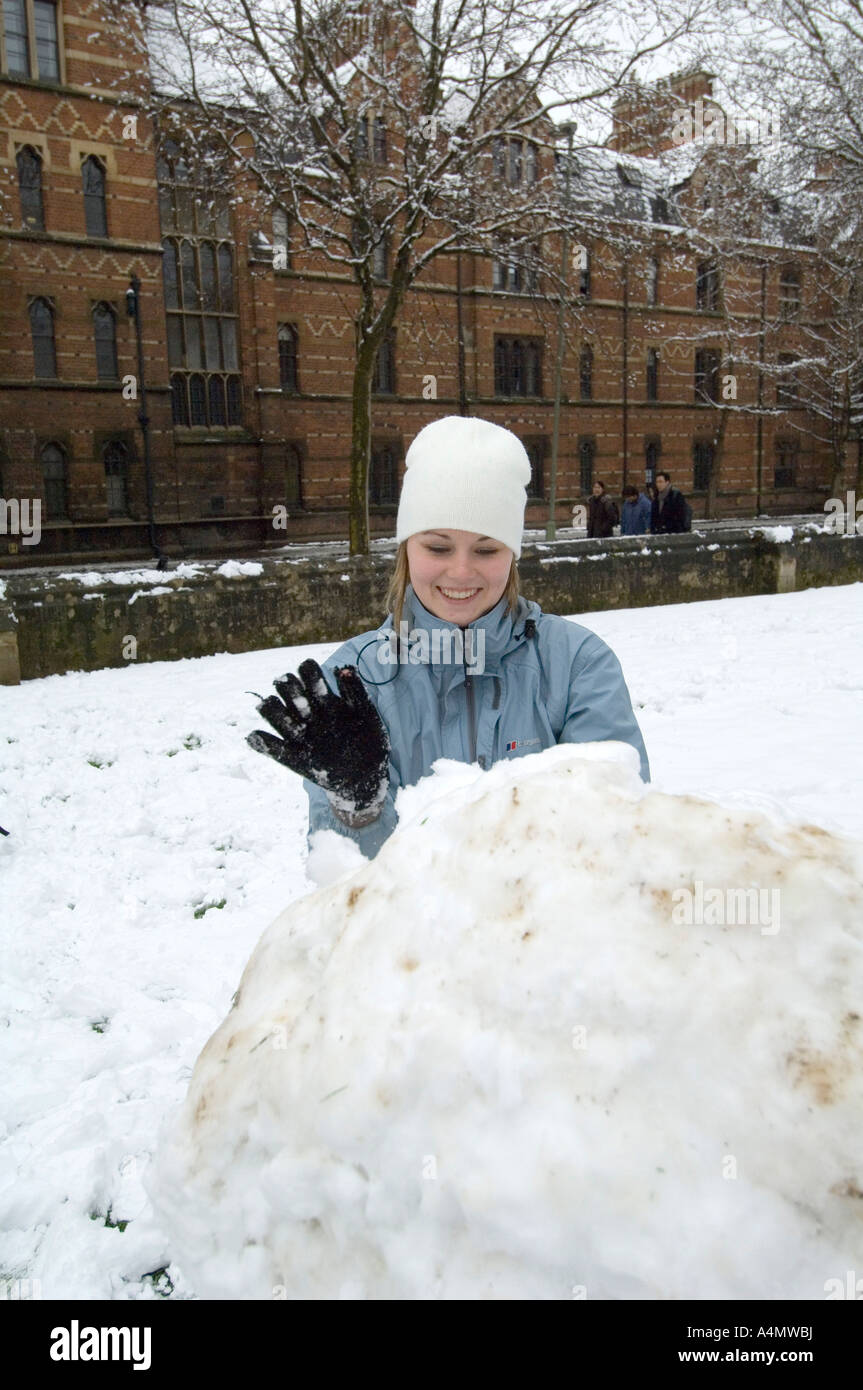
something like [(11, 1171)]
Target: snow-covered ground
[(150, 848)]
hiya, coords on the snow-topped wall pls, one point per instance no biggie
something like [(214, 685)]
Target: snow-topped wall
[(566, 1036)]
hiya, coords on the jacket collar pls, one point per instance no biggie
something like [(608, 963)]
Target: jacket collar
[(502, 631)]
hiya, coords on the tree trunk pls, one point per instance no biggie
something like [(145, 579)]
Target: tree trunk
[(361, 449)]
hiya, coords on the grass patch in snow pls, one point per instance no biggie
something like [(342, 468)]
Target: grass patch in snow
[(205, 907)]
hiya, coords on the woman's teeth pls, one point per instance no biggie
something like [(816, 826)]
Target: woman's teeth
[(459, 593)]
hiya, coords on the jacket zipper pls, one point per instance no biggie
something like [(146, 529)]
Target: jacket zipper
[(468, 681)]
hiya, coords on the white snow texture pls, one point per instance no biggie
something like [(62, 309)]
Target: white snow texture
[(493, 1063)]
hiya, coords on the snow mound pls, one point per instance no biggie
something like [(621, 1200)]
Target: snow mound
[(538, 1049)]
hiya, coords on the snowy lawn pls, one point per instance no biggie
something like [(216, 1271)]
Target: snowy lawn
[(150, 848)]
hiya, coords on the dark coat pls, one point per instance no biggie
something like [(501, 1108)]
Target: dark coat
[(673, 515), (601, 516)]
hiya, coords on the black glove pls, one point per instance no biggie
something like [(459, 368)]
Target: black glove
[(337, 741)]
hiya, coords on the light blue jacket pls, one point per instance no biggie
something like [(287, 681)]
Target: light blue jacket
[(635, 516), (544, 681)]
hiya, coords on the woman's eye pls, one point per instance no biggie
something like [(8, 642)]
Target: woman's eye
[(487, 552), (437, 549)]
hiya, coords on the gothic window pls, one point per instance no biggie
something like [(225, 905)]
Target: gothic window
[(586, 457), (116, 460), (30, 189), (517, 366), (785, 465), (105, 335), (652, 451), (95, 209), (384, 383), (42, 331), (652, 374), (53, 462), (288, 355)]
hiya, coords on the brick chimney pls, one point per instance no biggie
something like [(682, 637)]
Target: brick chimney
[(652, 119)]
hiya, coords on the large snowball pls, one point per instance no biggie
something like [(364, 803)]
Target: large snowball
[(512, 1058)]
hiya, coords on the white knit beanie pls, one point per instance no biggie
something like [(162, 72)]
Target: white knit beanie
[(465, 474)]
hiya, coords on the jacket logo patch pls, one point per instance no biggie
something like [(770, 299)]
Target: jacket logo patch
[(521, 743)]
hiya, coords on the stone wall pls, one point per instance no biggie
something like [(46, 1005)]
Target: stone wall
[(50, 623)]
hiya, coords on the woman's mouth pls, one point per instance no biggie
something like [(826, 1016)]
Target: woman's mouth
[(458, 595)]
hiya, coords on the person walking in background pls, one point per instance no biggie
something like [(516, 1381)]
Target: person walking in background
[(669, 512), (636, 512), (602, 513)]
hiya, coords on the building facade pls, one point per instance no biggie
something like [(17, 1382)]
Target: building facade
[(248, 341)]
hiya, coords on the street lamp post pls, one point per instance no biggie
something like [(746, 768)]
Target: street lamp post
[(568, 129), (133, 309)]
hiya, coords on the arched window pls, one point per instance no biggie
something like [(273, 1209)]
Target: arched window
[(216, 391), (652, 382), (116, 460), (53, 462), (179, 400), (652, 451), (30, 189), (586, 456), (293, 477), (105, 334), (95, 208), (42, 330), (235, 401), (198, 400), (288, 357), (585, 373), (384, 383)]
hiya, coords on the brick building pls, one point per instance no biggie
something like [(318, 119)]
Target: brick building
[(248, 341)]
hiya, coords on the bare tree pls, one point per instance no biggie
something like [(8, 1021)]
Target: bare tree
[(392, 132), (805, 58)]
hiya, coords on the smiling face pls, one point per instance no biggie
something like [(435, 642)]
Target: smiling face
[(458, 575)]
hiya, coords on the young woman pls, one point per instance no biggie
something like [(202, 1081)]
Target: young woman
[(462, 667)]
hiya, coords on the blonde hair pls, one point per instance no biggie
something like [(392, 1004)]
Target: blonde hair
[(400, 579)]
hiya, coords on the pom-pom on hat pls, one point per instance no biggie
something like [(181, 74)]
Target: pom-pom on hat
[(465, 474)]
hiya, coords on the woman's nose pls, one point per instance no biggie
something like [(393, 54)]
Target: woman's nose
[(462, 567)]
